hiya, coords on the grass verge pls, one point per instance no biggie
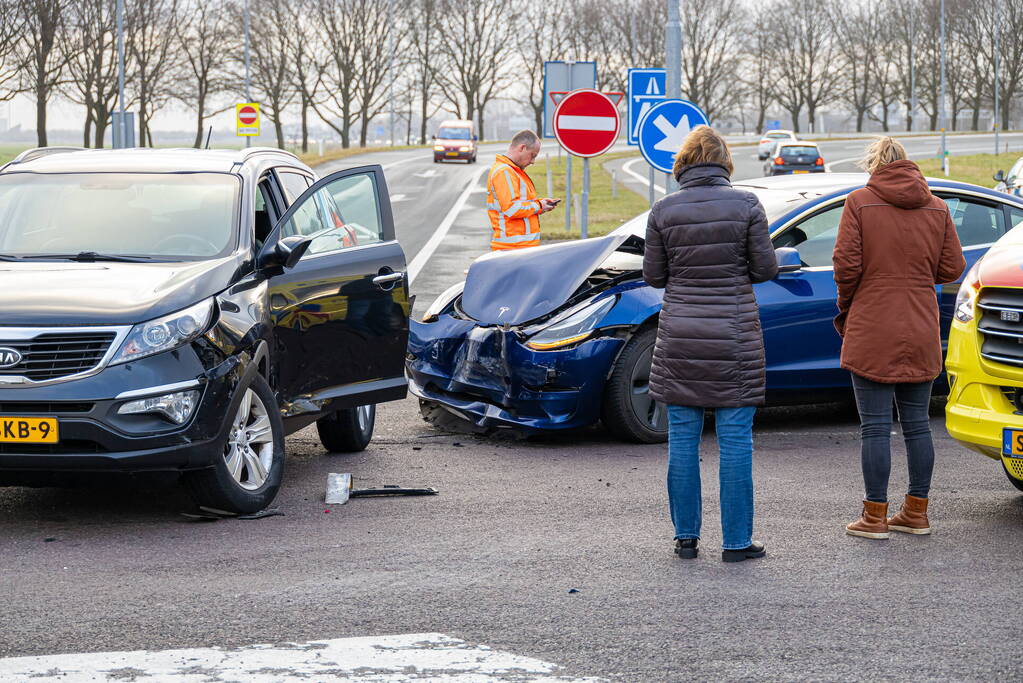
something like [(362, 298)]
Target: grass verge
[(8, 152), (972, 168), (605, 212)]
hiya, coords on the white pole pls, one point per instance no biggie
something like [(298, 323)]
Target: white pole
[(673, 64), (120, 130), (390, 65), (248, 79), (944, 149)]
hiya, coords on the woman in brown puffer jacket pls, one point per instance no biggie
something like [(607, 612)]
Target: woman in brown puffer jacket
[(896, 241)]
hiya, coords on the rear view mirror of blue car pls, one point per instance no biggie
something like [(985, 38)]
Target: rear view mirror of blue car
[(788, 259)]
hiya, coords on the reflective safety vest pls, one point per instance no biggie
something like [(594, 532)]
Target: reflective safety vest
[(513, 207)]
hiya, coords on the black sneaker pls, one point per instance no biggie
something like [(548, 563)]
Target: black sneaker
[(687, 547), (754, 549)]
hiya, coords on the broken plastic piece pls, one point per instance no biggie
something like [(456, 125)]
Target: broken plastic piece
[(338, 488), (391, 490)]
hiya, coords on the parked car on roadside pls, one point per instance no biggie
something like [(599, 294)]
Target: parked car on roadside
[(795, 157), (455, 139), (562, 336), (184, 310), (985, 355), (771, 139), (1013, 182)]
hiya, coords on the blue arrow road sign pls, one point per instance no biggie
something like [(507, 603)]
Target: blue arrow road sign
[(646, 88), (663, 128)]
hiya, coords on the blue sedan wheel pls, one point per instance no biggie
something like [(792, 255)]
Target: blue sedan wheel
[(629, 412)]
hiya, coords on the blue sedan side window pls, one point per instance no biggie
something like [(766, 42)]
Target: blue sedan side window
[(814, 237), (976, 223)]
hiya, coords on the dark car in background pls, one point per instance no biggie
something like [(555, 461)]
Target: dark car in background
[(795, 157), (455, 139), (184, 310)]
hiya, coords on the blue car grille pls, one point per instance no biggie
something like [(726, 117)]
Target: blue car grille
[(1001, 325)]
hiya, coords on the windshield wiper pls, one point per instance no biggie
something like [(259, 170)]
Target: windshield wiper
[(90, 257)]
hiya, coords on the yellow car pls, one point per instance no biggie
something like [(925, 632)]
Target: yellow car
[(985, 358)]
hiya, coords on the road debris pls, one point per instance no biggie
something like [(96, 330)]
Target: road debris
[(338, 488)]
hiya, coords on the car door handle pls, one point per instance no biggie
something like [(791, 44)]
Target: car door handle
[(388, 279)]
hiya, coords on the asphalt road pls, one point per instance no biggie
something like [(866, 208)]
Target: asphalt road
[(493, 557), (517, 525)]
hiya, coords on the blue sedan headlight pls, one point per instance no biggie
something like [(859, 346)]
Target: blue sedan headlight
[(573, 326)]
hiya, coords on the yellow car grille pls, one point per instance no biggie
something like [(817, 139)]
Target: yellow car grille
[(1001, 325), (1015, 466)]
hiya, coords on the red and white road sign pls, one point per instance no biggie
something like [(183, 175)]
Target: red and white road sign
[(586, 123), (247, 115)]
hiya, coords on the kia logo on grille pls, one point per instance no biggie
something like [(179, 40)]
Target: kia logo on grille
[(9, 357)]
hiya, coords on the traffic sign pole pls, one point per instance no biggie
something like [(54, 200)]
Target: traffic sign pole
[(584, 212), (568, 192)]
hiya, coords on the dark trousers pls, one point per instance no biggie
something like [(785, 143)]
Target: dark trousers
[(874, 401)]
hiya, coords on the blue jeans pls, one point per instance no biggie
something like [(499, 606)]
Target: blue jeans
[(734, 428)]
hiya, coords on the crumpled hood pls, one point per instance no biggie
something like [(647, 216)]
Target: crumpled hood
[(901, 184), (518, 285), (105, 293)]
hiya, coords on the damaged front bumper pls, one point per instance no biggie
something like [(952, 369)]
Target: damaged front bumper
[(489, 377)]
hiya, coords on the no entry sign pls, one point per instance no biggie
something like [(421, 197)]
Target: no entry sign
[(586, 123), (247, 115)]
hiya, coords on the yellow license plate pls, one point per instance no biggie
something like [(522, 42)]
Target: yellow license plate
[(28, 430), (1012, 443), (800, 171), (452, 154)]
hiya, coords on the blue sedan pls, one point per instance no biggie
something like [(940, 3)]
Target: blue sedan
[(561, 336)]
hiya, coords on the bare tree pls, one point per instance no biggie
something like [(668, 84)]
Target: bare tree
[(478, 64), (805, 57), (307, 60), (43, 52), (904, 17), (710, 55), (545, 25), (858, 24), (92, 64), (374, 66), (271, 68), (153, 49), (1011, 56), (422, 30), (757, 77), (203, 35), (338, 107), (11, 62)]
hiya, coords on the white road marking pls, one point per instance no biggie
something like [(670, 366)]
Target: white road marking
[(577, 122), (627, 167), (411, 657), (426, 174), (398, 198), (426, 252)]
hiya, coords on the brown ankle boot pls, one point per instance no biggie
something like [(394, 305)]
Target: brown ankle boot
[(872, 524), (912, 518)]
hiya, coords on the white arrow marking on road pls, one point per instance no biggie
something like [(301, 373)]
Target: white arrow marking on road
[(415, 656), (398, 198), (575, 122), (673, 135), (427, 174)]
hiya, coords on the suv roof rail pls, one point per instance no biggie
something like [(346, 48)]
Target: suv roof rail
[(38, 152)]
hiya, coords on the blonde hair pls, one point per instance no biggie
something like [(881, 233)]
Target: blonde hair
[(703, 145), (881, 152)]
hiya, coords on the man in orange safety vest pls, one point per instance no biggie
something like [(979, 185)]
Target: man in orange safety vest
[(512, 204)]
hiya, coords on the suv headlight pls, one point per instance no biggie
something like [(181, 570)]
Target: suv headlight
[(442, 302), (966, 299), (166, 333), (573, 326)]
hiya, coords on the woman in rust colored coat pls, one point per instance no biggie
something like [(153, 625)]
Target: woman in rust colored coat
[(895, 242)]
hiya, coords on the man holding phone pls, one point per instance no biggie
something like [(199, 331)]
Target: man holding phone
[(512, 205)]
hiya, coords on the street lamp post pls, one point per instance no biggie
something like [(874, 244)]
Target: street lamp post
[(120, 129), (390, 67), (944, 149), (248, 79), (994, 116), (673, 63)]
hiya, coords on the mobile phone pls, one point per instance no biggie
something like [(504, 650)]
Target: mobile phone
[(556, 201)]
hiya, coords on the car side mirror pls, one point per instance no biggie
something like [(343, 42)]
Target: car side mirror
[(788, 259), (285, 253), (999, 177)]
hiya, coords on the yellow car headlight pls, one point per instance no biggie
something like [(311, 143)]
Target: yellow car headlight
[(966, 299)]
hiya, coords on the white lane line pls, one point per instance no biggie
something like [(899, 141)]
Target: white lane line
[(426, 252), (429, 173), (627, 167), (399, 198), (410, 657)]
